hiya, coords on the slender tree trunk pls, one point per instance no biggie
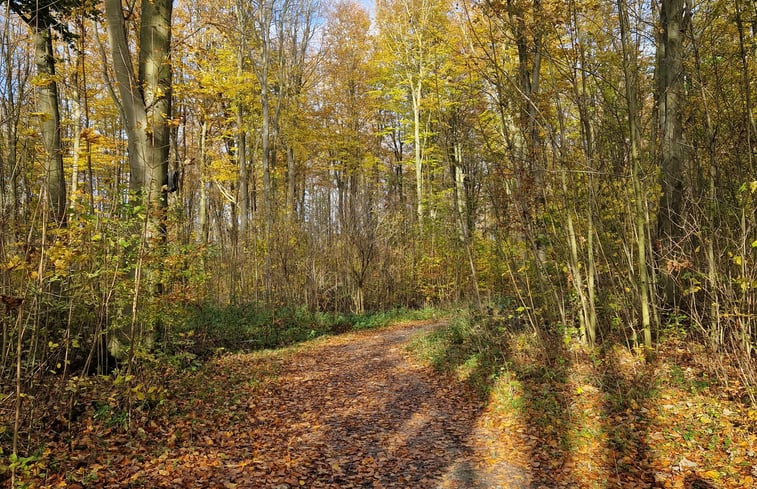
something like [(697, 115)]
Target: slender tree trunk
[(76, 146), (751, 130), (244, 192), (630, 72), (244, 172), (9, 188), (203, 211), (291, 201), (669, 98), (712, 211), (47, 106), (266, 152), (417, 94)]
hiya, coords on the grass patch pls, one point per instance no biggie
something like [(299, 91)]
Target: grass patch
[(609, 416), (205, 330), (465, 347)]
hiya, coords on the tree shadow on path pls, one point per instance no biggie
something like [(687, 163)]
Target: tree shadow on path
[(348, 411), (382, 421)]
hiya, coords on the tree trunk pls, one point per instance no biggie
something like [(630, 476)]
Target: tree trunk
[(244, 172), (630, 72), (291, 201), (203, 211), (47, 106), (146, 97), (669, 93), (750, 124), (244, 193), (76, 104), (155, 78), (146, 110), (266, 152), (417, 93)]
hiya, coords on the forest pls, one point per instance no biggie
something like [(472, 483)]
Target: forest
[(565, 188)]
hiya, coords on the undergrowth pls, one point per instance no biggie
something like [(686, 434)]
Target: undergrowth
[(210, 329), (608, 417)]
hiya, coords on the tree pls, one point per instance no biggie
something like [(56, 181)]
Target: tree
[(670, 93), (630, 74), (145, 106), (409, 35), (145, 97), (44, 19)]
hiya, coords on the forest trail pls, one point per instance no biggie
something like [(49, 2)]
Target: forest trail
[(351, 411)]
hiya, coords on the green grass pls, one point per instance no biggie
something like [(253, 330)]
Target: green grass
[(465, 347), (205, 330)]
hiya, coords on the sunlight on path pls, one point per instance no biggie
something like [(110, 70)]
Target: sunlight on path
[(376, 419), (351, 411)]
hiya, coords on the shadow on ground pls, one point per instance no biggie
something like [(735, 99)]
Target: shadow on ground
[(515, 409), (349, 411), (581, 421)]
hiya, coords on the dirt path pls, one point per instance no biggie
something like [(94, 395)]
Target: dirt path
[(349, 412)]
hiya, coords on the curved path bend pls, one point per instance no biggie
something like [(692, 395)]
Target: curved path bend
[(351, 411)]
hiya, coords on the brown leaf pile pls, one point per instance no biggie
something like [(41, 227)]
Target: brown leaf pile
[(349, 411), (356, 411)]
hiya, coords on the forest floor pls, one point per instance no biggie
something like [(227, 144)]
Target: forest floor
[(362, 410)]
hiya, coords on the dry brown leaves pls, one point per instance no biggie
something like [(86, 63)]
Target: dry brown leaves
[(349, 411), (355, 411)]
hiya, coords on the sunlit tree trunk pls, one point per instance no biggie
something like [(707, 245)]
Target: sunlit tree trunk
[(76, 106), (203, 210), (48, 108), (417, 98), (145, 103), (145, 95), (630, 73)]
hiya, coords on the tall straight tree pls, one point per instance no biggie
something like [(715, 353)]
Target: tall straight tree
[(145, 106), (40, 16), (409, 35), (145, 95), (669, 75), (630, 74)]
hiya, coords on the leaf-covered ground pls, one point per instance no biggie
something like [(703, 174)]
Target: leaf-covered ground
[(361, 411), (347, 411), (605, 419)]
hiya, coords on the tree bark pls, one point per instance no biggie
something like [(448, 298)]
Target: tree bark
[(146, 110), (669, 93), (417, 94), (155, 80), (145, 96), (47, 106)]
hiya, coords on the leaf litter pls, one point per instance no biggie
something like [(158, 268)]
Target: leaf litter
[(358, 410)]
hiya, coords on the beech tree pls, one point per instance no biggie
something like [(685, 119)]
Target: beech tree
[(145, 106), (145, 96), (45, 19)]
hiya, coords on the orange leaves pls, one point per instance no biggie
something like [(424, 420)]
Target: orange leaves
[(352, 411)]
